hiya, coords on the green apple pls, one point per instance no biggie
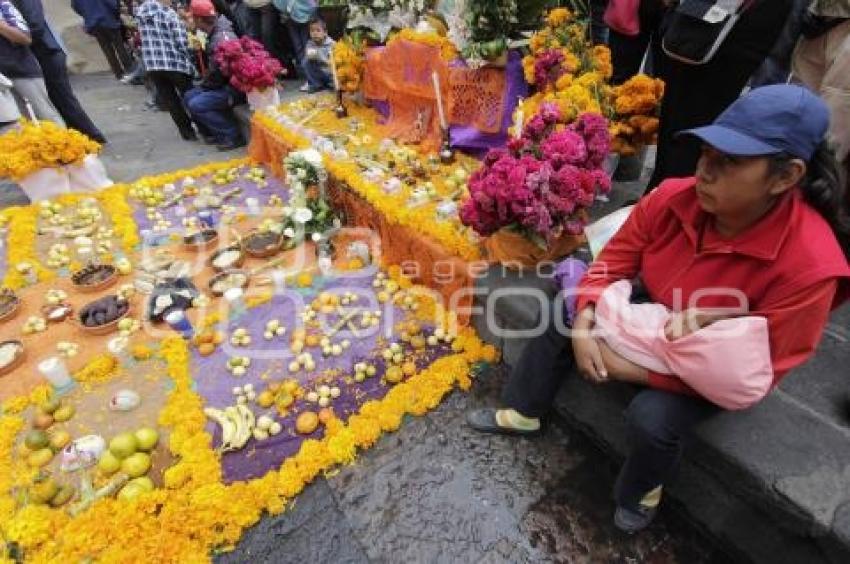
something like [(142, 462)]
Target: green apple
[(123, 445), (143, 481), (146, 438), (108, 463), (136, 464)]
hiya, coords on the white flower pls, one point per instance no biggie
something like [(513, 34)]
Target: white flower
[(301, 174), (316, 237), (302, 215), (312, 156), (287, 211), (289, 233)]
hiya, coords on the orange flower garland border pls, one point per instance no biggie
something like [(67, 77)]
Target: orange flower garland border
[(195, 514)]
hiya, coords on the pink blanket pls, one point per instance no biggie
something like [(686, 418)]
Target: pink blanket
[(727, 362)]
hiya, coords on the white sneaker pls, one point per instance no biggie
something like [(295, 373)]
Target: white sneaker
[(304, 87)]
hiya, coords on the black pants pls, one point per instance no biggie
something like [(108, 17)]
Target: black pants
[(659, 422), (695, 95), (59, 90), (112, 44), (170, 88), (627, 52)]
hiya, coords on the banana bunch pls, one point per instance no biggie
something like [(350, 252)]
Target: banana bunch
[(237, 425)]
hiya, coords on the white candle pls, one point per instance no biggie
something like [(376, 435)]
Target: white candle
[(30, 112), (333, 73), (56, 372), (436, 80)]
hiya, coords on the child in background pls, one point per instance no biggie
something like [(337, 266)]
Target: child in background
[(317, 57)]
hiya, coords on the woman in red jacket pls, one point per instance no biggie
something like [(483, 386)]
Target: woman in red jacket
[(762, 228)]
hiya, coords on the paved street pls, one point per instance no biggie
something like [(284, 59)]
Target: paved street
[(434, 491)]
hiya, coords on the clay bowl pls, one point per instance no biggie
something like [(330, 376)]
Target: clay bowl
[(17, 360), (94, 278), (233, 264), (215, 281), (201, 240), (11, 305), (103, 329), (263, 244)]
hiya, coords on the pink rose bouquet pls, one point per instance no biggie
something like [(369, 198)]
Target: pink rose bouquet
[(542, 182), (247, 64)]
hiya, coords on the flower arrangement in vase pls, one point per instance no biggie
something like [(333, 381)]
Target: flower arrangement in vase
[(537, 190), (250, 69), (308, 214)]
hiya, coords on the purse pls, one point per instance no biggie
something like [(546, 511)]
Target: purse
[(622, 16), (697, 28)]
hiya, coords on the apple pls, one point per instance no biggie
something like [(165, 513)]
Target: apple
[(136, 464), (109, 463), (143, 481), (146, 438), (123, 445), (36, 439), (131, 492)]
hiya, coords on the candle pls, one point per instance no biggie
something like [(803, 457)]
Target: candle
[(56, 372), (30, 112), (333, 73), (235, 303), (439, 94), (177, 320)]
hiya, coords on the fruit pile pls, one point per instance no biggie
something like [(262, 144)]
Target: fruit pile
[(129, 453)]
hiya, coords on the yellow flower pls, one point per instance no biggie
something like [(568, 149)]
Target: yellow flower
[(448, 51), (39, 145), (559, 17)]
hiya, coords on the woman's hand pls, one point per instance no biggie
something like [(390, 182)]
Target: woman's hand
[(620, 368), (589, 360), (586, 349)]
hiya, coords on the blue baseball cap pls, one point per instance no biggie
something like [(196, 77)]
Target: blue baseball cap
[(769, 120)]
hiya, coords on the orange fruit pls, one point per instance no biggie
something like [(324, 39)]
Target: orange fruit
[(206, 349), (307, 422)]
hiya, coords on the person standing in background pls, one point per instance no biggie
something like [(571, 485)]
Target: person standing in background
[(695, 94), (19, 64), (53, 63), (101, 19), (297, 14), (822, 62), (168, 60), (629, 51)]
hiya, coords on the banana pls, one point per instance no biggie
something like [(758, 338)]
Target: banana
[(239, 439), (228, 427), (249, 420)]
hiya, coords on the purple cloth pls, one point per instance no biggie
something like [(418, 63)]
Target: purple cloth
[(215, 383), (249, 190), (567, 275), (468, 138)]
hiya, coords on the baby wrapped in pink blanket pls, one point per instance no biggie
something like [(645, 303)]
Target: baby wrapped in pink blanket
[(726, 362)]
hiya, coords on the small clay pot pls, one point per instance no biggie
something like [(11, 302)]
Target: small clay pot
[(122, 306), (17, 360), (94, 277), (263, 244), (201, 240), (218, 278), (233, 264), (10, 304)]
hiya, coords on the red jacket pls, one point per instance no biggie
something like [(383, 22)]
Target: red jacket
[(788, 267)]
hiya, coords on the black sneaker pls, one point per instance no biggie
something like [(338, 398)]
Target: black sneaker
[(632, 521)]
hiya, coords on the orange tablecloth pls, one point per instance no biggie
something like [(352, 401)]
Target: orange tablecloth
[(451, 276)]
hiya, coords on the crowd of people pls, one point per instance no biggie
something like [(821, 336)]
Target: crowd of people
[(165, 45)]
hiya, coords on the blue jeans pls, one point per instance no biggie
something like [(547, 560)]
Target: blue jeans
[(318, 76), (211, 110), (659, 422)]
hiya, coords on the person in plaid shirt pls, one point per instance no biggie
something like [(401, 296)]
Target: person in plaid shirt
[(167, 58)]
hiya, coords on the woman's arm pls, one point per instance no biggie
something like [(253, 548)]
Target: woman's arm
[(621, 257), (12, 25)]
